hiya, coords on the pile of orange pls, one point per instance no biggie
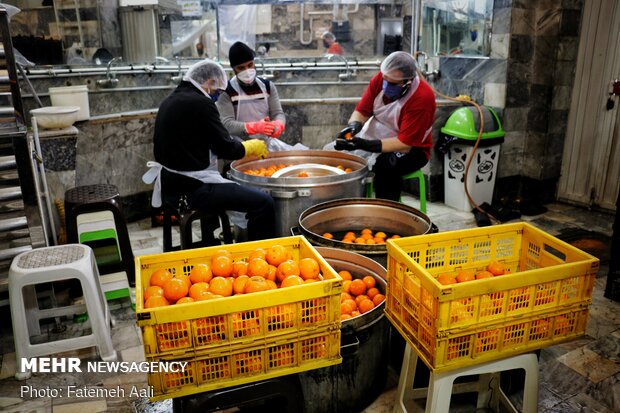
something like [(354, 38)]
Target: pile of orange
[(492, 270), (359, 295), (271, 169), (365, 236), (262, 270)]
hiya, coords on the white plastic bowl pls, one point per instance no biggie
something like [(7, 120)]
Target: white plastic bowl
[(55, 117)]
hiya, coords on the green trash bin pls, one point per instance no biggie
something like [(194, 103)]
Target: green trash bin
[(459, 136)]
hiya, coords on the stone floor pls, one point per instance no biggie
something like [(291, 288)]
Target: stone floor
[(579, 376)]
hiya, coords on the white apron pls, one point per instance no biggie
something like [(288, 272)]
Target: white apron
[(210, 175), (251, 108)]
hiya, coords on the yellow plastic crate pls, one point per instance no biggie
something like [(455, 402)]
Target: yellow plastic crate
[(237, 365), (545, 275), (243, 319), (475, 346)]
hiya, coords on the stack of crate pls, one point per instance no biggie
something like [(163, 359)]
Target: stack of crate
[(542, 299), (243, 338)]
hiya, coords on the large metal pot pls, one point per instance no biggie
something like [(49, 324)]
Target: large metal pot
[(293, 194), (353, 214), (355, 383)]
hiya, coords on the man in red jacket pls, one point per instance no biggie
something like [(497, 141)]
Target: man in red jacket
[(393, 121)]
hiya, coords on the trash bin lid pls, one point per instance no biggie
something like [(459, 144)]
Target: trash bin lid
[(464, 123)]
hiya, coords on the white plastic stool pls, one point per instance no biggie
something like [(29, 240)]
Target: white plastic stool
[(440, 389), (44, 265)]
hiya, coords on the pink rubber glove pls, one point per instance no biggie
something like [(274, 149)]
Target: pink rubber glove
[(279, 128), (262, 127)]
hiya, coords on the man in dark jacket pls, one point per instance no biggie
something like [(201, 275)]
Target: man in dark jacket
[(189, 137)]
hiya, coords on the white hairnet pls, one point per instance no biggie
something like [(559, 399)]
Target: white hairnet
[(328, 35), (402, 62), (206, 70)]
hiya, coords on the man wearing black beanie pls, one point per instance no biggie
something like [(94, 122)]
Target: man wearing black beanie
[(250, 106)]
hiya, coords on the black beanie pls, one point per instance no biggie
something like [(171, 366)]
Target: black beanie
[(240, 53)]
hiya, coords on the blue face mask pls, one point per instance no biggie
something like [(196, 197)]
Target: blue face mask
[(215, 95), (392, 92)]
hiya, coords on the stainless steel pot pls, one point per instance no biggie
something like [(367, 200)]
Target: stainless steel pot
[(364, 349), (292, 195), (353, 214)]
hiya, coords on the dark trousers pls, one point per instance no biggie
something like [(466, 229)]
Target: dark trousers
[(390, 169), (258, 206)]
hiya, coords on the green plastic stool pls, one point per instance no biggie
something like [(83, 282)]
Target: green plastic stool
[(370, 189)]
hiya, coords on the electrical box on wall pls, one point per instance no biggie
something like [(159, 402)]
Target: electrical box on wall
[(342, 31)]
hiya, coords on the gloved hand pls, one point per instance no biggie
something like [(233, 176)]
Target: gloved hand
[(262, 126), (279, 128), (350, 131), (255, 147), (370, 145)]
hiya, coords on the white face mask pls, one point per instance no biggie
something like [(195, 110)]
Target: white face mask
[(247, 76)]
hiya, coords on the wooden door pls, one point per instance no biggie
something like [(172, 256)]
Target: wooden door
[(591, 159)]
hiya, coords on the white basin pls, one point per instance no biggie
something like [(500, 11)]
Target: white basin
[(55, 117)]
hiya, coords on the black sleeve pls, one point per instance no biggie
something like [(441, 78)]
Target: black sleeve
[(221, 143)]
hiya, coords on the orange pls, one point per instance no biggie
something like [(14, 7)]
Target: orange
[(276, 255), (272, 284), (175, 289), (378, 299), (345, 308), (346, 275), (370, 241), (256, 284), (346, 286), (350, 235), (239, 284), (221, 266), (200, 273), (153, 290), (239, 268), (366, 305), (207, 296), (360, 240), (484, 274), (347, 240), (446, 279), (379, 240), (345, 296), (357, 287), (345, 317), (222, 253), (308, 268), (258, 267), (221, 286), (366, 236), (351, 303), (156, 301), (465, 275), (272, 274), (185, 300), (198, 289), (372, 292), (355, 313), (328, 235), (347, 170), (496, 268), (291, 281), (370, 281), (366, 231), (361, 298), (159, 277), (288, 267), (380, 234), (257, 253), (395, 236)]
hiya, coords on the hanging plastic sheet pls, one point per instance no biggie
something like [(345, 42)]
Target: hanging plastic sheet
[(237, 24)]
